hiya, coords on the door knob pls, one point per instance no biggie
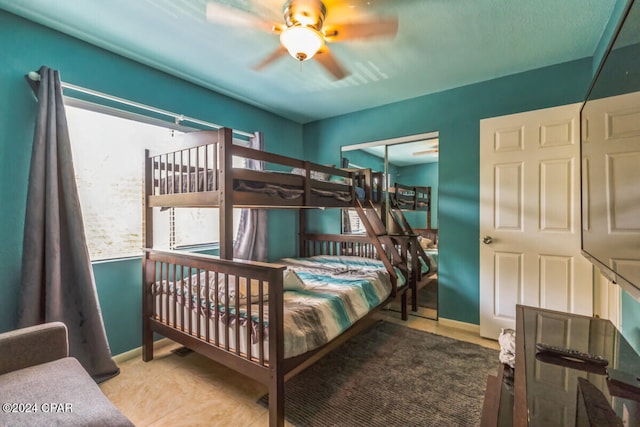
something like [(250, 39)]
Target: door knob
[(487, 240)]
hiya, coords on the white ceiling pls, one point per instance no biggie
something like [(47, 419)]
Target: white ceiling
[(408, 153), (440, 44)]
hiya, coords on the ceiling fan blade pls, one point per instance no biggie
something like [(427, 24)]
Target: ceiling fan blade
[(270, 10), (387, 27), (275, 55), (422, 153), (225, 15), (330, 63)]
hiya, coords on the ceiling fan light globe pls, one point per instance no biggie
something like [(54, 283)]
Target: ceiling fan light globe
[(302, 42)]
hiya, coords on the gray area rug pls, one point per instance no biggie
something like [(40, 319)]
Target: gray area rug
[(392, 375)]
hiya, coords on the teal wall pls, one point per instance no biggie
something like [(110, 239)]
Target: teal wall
[(364, 160), (456, 114), (119, 291), (25, 47)]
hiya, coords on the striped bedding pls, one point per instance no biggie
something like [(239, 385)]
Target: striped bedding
[(338, 291), (340, 266), (432, 253), (334, 293)]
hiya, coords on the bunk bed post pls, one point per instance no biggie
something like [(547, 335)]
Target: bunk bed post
[(428, 191), (352, 181), (276, 350), (147, 219), (302, 217), (307, 183), (416, 268), (368, 190), (148, 279), (225, 142), (384, 214)]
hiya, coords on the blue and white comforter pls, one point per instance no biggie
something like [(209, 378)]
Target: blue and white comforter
[(337, 292)]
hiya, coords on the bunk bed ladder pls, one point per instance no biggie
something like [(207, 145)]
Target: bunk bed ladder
[(371, 219), (401, 220), (384, 244)]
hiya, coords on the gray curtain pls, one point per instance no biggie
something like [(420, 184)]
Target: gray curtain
[(251, 242), (57, 277)]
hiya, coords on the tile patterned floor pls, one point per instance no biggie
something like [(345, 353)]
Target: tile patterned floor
[(194, 391)]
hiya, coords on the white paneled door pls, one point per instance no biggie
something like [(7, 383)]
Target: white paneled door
[(530, 217)]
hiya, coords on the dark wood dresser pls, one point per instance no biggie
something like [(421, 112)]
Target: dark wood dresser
[(549, 392)]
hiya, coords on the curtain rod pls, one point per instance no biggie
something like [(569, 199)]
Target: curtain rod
[(34, 76)]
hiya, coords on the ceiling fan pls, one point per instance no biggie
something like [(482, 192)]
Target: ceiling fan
[(303, 34), (433, 150), (423, 153)]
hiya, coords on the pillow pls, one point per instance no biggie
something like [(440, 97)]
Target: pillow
[(339, 179), (298, 171), (426, 243), (318, 176), (244, 288), (291, 281)]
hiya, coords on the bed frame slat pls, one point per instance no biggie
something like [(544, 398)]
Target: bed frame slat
[(237, 308)]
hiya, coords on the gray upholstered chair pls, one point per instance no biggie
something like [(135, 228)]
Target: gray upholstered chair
[(40, 385)]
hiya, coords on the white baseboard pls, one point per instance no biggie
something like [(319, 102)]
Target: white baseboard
[(470, 327), (137, 352)]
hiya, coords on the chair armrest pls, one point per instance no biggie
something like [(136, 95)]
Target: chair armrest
[(33, 345)]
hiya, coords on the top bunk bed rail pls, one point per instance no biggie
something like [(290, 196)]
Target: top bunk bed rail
[(200, 173), (413, 198), (369, 184)]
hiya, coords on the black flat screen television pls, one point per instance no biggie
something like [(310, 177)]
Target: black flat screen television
[(610, 159)]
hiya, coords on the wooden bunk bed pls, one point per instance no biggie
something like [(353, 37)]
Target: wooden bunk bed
[(413, 198), (234, 311)]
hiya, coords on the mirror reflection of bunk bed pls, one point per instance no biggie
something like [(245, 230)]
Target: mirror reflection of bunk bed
[(250, 316), (404, 199), (421, 244), (408, 173)]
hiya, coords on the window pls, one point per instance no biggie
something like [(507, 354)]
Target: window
[(108, 155), (355, 226)]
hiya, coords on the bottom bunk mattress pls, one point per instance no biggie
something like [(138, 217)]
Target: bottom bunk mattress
[(323, 296), (432, 253)]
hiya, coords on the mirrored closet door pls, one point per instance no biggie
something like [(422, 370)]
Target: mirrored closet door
[(403, 166)]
